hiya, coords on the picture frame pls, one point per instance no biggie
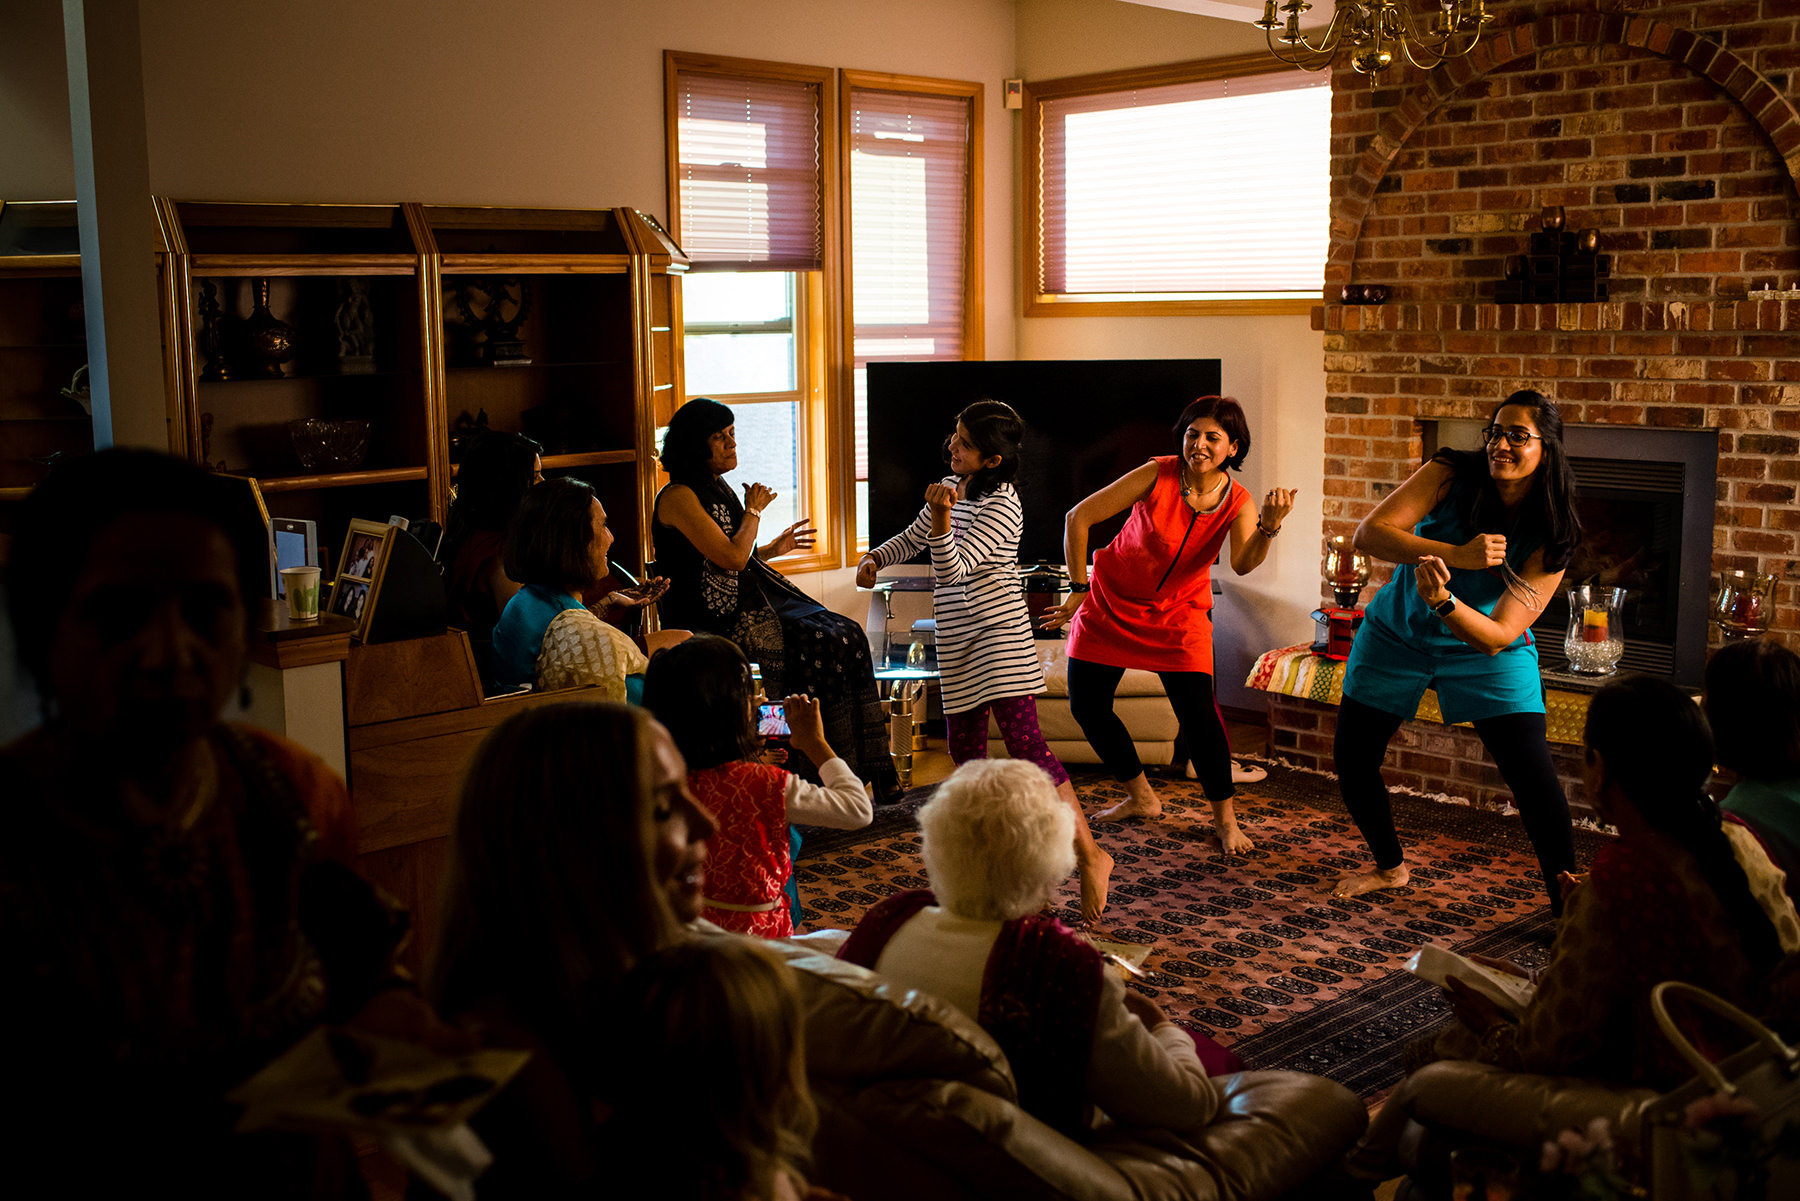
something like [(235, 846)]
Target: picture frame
[(361, 566)]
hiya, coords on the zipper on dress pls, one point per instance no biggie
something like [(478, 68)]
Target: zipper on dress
[(1192, 518)]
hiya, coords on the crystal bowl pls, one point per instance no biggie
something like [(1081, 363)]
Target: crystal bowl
[(323, 444)]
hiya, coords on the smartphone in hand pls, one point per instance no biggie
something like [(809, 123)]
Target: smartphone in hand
[(771, 721)]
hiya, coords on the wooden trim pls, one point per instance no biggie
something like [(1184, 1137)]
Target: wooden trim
[(1190, 71), (432, 368), (536, 264), (343, 479), (28, 266), (592, 458), (228, 265), (1045, 305)]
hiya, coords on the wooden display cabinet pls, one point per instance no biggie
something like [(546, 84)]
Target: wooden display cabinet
[(408, 316), (43, 342), (583, 370), (349, 283)]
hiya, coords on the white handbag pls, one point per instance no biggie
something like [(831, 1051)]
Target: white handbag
[(1749, 1157)]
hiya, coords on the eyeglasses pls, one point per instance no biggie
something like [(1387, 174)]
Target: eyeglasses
[(1514, 437)]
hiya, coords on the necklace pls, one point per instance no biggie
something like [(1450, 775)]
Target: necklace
[(1187, 488)]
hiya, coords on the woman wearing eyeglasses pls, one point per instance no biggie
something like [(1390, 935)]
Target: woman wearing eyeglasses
[(1479, 540)]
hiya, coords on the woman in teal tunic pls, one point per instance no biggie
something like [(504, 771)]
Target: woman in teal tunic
[(1479, 540)]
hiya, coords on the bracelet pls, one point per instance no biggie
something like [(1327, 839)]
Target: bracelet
[(756, 513), (1267, 533), (1074, 587)]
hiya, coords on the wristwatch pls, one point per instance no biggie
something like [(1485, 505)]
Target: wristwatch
[(1445, 607), (1074, 587)]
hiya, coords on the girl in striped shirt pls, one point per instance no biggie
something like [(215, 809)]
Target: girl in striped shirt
[(987, 656)]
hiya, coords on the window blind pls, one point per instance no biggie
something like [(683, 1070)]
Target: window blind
[(750, 172), (1215, 186), (909, 198)]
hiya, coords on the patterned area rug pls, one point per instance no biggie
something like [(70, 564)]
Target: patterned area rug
[(1252, 949)]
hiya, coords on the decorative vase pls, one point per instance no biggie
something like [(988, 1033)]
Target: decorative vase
[(211, 342), (1346, 570), (270, 340), (1596, 639), (1746, 603)]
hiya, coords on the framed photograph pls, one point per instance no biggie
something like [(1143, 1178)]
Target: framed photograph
[(360, 569)]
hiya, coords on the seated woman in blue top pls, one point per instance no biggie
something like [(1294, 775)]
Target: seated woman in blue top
[(1479, 540), (1753, 702), (556, 549)]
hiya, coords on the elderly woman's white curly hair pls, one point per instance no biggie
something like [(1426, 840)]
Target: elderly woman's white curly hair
[(998, 840)]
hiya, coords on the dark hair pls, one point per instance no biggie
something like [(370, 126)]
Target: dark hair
[(1659, 751), (687, 450), (492, 478), (550, 541), (716, 1032), (1549, 507), (59, 522), (1753, 702), (994, 429), (1230, 416), (701, 689), (549, 890)]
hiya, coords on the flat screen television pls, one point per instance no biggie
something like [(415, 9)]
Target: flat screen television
[(1087, 422)]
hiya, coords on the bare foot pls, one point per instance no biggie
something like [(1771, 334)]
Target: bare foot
[(1128, 809), (1375, 881), (1096, 876), (1232, 840)]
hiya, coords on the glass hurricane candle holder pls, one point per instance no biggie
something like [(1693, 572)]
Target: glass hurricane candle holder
[(1596, 638), (1746, 603), (1346, 570)]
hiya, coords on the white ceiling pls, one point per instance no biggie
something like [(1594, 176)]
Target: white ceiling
[(1237, 10)]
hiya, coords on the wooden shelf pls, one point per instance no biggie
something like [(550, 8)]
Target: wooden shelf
[(605, 283), (341, 479)]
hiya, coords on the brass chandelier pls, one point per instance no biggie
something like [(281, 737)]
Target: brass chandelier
[(1372, 30)]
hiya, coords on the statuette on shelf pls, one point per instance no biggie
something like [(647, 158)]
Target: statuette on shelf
[(210, 340), (270, 340), (490, 335)]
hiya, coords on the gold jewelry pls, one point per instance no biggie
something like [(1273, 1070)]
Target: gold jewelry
[(756, 513)]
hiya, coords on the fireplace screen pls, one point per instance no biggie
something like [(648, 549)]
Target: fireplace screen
[(1631, 539)]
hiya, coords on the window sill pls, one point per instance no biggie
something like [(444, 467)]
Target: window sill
[(1191, 305)]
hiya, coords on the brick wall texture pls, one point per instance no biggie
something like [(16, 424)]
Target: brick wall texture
[(1669, 128)]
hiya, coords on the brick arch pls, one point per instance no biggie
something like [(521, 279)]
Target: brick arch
[(1760, 100)]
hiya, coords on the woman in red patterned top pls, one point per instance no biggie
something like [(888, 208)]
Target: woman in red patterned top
[(702, 690)]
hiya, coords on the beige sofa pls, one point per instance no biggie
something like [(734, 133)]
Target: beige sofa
[(1140, 704), (916, 1101)]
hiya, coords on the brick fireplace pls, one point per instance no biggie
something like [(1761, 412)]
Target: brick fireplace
[(1669, 128)]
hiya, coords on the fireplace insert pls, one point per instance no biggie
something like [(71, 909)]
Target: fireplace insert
[(1646, 499)]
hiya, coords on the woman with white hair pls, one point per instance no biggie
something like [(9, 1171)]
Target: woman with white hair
[(997, 843)]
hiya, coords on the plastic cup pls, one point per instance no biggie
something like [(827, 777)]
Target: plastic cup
[(302, 587)]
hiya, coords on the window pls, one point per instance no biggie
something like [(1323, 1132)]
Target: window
[(911, 171), (1202, 187), (808, 262), (748, 145)]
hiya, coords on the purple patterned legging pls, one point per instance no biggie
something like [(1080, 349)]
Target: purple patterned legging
[(1016, 716)]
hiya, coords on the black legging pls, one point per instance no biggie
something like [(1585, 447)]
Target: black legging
[(1091, 689), (1515, 742)]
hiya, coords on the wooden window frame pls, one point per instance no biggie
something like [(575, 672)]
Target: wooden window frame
[(1044, 304), (818, 295), (974, 332)]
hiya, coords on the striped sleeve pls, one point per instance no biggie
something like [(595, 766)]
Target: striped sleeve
[(908, 542), (987, 537)]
